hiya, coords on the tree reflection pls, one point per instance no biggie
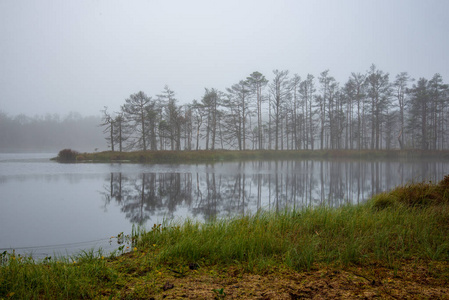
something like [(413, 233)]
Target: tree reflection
[(260, 185)]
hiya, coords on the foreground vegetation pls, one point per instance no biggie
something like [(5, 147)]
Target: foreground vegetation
[(202, 156), (394, 246)]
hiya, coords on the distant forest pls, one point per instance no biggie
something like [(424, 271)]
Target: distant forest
[(368, 111), (50, 133)]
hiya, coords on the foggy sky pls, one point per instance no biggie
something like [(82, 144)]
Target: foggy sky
[(62, 56)]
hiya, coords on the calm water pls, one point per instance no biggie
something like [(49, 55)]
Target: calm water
[(48, 208)]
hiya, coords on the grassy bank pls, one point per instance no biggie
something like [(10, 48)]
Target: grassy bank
[(228, 155), (394, 246)]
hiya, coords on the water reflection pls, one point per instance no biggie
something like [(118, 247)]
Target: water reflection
[(208, 193)]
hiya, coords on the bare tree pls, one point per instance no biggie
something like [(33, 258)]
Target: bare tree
[(108, 123)]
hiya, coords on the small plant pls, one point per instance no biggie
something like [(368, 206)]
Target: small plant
[(126, 242), (219, 293)]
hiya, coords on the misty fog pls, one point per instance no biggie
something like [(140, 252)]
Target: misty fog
[(50, 133)]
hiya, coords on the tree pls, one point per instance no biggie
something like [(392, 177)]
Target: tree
[(171, 124), (338, 119), (198, 119), (419, 112), (355, 91), (438, 98), (322, 103), (115, 127), (280, 91), (187, 127), (137, 112), (400, 87), (153, 116), (121, 130), (426, 115), (326, 106), (297, 117), (257, 82), (306, 91), (238, 105), (108, 122), (232, 123), (378, 90), (210, 103)]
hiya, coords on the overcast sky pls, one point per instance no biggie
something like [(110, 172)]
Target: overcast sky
[(63, 56)]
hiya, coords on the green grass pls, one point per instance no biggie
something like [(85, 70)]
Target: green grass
[(230, 155), (410, 223), (351, 234), (75, 277)]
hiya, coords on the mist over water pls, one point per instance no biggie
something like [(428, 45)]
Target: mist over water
[(48, 207)]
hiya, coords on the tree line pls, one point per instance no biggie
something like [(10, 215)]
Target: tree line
[(368, 111)]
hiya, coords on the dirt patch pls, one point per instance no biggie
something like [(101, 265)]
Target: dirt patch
[(411, 280)]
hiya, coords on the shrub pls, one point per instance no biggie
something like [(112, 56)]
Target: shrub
[(67, 155)]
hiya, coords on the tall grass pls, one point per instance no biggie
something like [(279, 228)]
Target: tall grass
[(77, 277)]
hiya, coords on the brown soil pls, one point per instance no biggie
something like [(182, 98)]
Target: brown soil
[(410, 280)]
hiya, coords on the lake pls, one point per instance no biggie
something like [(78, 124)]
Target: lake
[(47, 208)]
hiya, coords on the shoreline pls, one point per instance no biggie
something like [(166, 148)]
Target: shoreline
[(206, 156)]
